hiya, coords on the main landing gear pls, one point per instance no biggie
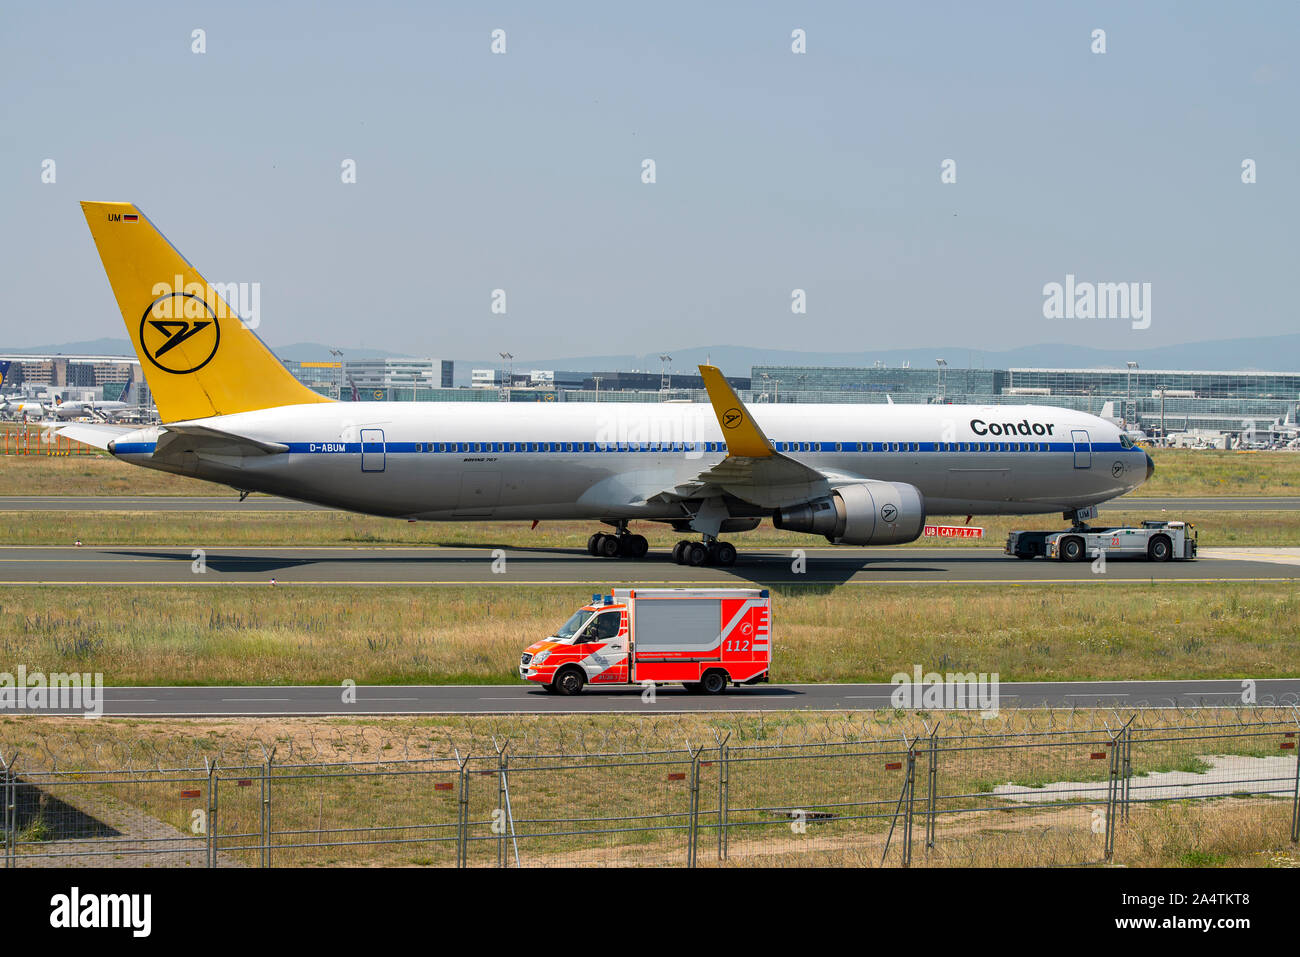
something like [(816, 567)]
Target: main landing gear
[(711, 552), (621, 545)]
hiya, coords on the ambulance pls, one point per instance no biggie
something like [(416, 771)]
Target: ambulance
[(701, 638)]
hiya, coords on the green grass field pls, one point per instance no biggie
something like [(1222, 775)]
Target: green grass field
[(297, 635)]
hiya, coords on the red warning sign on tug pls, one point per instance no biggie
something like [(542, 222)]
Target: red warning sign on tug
[(953, 531)]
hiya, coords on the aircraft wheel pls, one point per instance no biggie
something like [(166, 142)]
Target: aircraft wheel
[(593, 544), (635, 546), (679, 552), (725, 554), (697, 554), (609, 546)]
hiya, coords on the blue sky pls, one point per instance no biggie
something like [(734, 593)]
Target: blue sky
[(775, 171)]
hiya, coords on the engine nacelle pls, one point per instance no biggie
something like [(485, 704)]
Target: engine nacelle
[(868, 513)]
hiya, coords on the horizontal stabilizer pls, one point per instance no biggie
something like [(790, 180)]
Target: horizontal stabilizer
[(203, 440), (96, 436)]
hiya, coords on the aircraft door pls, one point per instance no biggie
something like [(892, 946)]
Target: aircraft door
[(1082, 449), (372, 450)]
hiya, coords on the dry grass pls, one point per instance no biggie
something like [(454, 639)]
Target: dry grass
[(413, 634)]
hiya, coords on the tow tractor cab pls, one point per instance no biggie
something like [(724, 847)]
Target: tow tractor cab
[(702, 638)]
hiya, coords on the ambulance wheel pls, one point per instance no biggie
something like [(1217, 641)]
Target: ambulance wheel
[(724, 554), (714, 682), (570, 680), (697, 554), (679, 552), (1072, 549), (1160, 549), (593, 543), (609, 546)]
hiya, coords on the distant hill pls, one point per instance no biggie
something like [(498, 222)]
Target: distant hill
[(296, 351)]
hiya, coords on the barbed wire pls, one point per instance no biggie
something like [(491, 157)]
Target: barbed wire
[(64, 744)]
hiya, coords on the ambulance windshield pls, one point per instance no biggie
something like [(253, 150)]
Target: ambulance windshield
[(570, 627)]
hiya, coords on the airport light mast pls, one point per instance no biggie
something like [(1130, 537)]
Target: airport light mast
[(1128, 401), (508, 358)]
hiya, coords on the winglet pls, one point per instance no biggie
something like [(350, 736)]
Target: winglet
[(744, 437)]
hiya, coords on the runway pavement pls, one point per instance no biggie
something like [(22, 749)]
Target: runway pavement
[(526, 698), (433, 565), (268, 503)]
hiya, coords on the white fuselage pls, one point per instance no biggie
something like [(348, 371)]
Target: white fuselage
[(469, 460)]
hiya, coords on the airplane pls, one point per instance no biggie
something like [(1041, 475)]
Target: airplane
[(76, 408), (856, 474)]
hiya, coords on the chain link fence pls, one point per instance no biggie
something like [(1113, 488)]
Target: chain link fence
[(1151, 787)]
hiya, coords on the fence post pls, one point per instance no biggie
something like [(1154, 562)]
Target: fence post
[(932, 784), (1112, 793), (1295, 792), (904, 795), (10, 810), (1127, 769), (911, 805), (693, 822), (724, 798), (462, 815), (267, 758), (211, 822), (503, 859)]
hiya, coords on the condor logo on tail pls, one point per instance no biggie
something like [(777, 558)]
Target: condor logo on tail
[(164, 337)]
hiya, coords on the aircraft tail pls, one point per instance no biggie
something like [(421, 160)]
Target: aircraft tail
[(199, 357)]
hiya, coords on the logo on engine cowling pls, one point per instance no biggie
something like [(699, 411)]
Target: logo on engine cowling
[(889, 513)]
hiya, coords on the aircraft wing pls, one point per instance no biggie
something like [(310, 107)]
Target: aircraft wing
[(753, 470), (97, 436)]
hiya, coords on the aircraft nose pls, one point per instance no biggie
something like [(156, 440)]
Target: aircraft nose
[(1151, 466)]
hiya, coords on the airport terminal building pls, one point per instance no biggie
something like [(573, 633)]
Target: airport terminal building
[(1144, 398)]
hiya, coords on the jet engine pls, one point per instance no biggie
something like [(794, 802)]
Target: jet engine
[(868, 513)]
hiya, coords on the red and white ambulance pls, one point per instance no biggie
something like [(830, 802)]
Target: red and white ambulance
[(703, 638)]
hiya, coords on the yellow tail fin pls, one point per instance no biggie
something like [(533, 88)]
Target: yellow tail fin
[(198, 356)]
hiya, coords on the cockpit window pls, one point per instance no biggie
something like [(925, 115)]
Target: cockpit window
[(1125, 441)]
